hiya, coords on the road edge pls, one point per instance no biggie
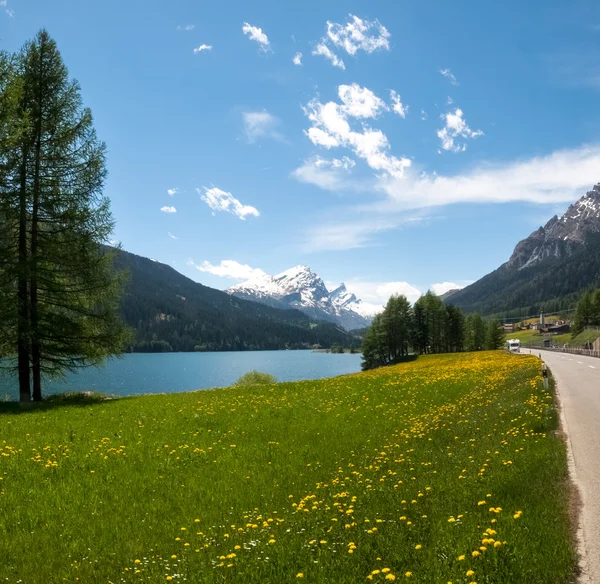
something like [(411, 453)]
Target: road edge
[(584, 576)]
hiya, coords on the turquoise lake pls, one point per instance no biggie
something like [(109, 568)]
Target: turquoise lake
[(140, 373)]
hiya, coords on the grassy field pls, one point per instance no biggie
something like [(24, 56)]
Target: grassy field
[(581, 339), (445, 469), (525, 336), (533, 337)]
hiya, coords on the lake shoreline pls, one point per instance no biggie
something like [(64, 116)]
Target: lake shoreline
[(158, 373)]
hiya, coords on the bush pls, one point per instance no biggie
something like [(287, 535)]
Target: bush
[(256, 378)]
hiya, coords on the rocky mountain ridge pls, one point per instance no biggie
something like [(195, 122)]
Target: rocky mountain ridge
[(561, 236), (547, 270)]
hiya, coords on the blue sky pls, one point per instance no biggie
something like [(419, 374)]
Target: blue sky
[(450, 131)]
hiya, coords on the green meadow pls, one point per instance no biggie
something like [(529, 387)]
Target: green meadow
[(445, 469)]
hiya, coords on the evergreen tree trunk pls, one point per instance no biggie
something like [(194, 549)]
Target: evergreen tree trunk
[(35, 332), (22, 297), (35, 340)]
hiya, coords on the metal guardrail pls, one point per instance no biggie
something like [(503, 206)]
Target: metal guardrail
[(570, 350)]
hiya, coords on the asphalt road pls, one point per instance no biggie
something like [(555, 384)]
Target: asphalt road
[(578, 383)]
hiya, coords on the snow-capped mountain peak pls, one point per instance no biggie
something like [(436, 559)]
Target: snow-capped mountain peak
[(342, 297), (300, 287)]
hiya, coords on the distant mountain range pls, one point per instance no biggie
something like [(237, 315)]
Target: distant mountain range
[(169, 312), (303, 289), (547, 271)]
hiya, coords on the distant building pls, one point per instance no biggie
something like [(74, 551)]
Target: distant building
[(558, 329), (537, 326)]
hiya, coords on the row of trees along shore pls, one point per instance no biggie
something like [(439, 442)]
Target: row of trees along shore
[(59, 296), (429, 326)]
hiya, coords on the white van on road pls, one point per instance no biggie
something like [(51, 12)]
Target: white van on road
[(513, 346)]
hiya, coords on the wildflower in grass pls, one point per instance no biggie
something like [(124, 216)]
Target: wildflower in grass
[(390, 577), (475, 554), (299, 575), (497, 544), (461, 558), (470, 573), (137, 562), (418, 546), (408, 574)]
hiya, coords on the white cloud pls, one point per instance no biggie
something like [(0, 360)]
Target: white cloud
[(331, 128), (449, 101), (360, 102), (376, 294), (345, 163), (456, 127), (423, 115), (9, 11), (186, 27), (256, 34), (261, 125), (172, 236), (231, 269), (219, 200), (444, 287), (325, 51), (328, 174), (201, 48), (342, 236), (397, 104), (358, 35), (558, 177), (448, 75), (353, 36), (297, 60), (173, 191), (168, 209)]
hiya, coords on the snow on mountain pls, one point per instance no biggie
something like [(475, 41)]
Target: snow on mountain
[(561, 235), (301, 288)]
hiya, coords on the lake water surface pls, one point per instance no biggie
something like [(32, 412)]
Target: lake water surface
[(140, 373)]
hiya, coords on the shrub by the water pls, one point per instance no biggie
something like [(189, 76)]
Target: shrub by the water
[(256, 378)]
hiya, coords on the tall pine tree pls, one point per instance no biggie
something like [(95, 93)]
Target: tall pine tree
[(64, 287)]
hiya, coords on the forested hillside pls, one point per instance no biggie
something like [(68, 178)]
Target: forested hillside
[(550, 285), (169, 312)]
